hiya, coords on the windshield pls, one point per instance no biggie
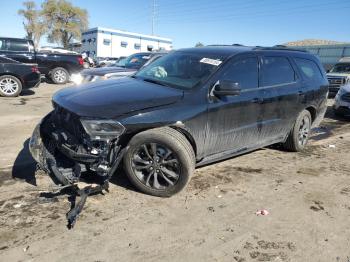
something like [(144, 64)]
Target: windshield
[(180, 69), (135, 61), (341, 68)]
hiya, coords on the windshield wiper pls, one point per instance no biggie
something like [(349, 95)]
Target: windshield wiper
[(154, 82)]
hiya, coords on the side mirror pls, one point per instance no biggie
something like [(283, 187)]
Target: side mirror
[(227, 88)]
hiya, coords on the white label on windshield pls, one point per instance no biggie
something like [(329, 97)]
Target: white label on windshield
[(146, 57), (210, 61)]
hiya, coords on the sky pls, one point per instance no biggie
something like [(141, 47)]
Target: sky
[(248, 22)]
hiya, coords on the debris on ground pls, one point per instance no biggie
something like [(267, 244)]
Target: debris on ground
[(262, 212), (331, 146)]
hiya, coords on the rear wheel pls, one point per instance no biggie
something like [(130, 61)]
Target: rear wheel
[(10, 86), (299, 135), (159, 162), (59, 75)]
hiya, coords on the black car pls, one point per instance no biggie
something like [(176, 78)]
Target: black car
[(187, 109), (56, 66), (123, 68), (15, 76)]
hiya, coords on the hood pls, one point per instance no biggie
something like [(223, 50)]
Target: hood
[(107, 70), (338, 74), (115, 97)]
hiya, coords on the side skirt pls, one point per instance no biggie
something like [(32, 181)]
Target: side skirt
[(236, 152)]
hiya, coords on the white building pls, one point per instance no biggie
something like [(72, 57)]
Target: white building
[(104, 42)]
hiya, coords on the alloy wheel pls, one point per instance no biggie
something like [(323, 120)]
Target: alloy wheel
[(8, 86), (60, 76), (304, 131), (156, 166)]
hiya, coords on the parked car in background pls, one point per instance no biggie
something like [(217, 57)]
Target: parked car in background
[(186, 109), (16, 76), (339, 75), (125, 67), (56, 66), (106, 61), (342, 101)]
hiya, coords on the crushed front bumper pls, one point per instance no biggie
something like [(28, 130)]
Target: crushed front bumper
[(66, 164)]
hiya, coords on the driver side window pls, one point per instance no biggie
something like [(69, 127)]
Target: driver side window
[(244, 71)]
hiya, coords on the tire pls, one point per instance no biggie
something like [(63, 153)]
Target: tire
[(10, 86), (299, 135), (59, 75), (173, 161)]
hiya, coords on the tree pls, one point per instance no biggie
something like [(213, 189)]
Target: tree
[(33, 23), (65, 22), (199, 44)]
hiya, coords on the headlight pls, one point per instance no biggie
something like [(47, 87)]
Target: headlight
[(76, 79), (98, 128)]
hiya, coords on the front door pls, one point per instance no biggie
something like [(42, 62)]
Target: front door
[(233, 121)]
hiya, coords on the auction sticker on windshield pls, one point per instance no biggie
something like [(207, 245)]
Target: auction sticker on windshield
[(211, 61)]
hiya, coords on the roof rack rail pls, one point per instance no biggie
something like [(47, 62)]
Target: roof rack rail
[(280, 47)]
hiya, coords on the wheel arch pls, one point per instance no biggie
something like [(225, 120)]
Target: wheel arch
[(313, 112), (125, 140)]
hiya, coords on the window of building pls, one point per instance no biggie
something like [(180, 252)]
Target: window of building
[(277, 71), (106, 41), (124, 44), (309, 69), (137, 46), (243, 71)]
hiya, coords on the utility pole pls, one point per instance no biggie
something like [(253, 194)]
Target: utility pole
[(154, 6)]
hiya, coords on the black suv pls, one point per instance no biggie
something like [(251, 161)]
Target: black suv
[(189, 108)]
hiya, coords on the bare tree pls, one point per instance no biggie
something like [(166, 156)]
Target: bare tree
[(65, 22), (32, 23)]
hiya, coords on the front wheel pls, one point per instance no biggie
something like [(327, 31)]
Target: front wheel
[(159, 161), (59, 75), (299, 135), (10, 86)]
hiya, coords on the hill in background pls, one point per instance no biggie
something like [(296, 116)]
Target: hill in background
[(308, 42)]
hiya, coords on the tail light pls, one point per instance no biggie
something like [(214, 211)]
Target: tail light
[(80, 60), (35, 69)]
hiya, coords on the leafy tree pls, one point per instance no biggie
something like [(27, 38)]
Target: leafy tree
[(65, 22), (199, 44), (32, 23)]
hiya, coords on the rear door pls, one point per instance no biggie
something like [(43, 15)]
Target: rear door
[(18, 49), (234, 121), (283, 94)]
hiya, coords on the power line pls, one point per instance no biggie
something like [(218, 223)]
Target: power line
[(271, 12)]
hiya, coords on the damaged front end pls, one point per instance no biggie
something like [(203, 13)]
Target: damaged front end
[(66, 145)]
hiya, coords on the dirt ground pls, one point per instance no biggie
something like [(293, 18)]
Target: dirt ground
[(307, 195)]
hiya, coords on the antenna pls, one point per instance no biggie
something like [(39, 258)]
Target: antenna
[(154, 6)]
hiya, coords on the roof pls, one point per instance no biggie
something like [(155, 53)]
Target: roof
[(228, 50), (126, 34)]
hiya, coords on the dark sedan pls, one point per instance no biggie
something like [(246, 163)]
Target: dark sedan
[(123, 68), (15, 76)]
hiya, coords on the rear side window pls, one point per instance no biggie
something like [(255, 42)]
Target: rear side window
[(309, 69), (17, 46), (277, 71), (243, 71)]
